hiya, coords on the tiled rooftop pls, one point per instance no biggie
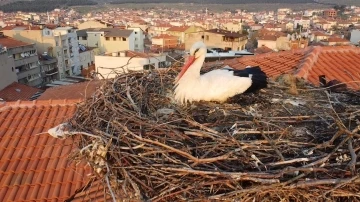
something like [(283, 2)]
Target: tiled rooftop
[(17, 91), (81, 90), (36, 167), (11, 42), (335, 62)]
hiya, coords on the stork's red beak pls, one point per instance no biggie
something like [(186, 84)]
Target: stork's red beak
[(190, 61)]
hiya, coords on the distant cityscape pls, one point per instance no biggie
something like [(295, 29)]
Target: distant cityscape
[(62, 46)]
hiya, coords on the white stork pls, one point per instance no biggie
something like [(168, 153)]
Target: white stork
[(217, 85)]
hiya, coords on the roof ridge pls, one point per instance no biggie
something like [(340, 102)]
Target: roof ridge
[(311, 57), (21, 103)]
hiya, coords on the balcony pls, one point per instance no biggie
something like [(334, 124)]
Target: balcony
[(23, 73), (26, 60), (51, 72), (49, 61)]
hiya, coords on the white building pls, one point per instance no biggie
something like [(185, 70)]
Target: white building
[(108, 40), (139, 38), (123, 61), (355, 36), (70, 46)]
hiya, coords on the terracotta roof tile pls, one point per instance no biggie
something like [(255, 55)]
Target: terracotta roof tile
[(81, 90), (178, 29), (340, 63), (11, 42), (17, 91), (36, 167)]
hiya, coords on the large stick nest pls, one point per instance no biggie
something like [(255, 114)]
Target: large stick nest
[(268, 146)]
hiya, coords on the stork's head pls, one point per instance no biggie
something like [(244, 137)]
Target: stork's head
[(196, 51)]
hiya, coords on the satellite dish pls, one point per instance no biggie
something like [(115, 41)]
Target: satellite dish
[(22, 55)]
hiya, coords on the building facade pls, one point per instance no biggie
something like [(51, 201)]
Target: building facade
[(109, 66), (7, 68), (26, 61), (58, 42), (108, 40), (217, 38)]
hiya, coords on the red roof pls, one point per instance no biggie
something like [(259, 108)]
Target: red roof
[(36, 167), (178, 29), (340, 63), (263, 49), (11, 42), (81, 90), (17, 91)]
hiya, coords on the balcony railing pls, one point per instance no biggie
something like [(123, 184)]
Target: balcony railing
[(26, 60), (51, 72)]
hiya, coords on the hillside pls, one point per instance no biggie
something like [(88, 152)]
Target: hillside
[(212, 1), (42, 5)]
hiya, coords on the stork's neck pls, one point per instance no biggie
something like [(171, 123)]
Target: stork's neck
[(193, 73)]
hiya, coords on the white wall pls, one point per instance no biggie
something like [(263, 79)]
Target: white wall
[(355, 36), (108, 65), (138, 38)]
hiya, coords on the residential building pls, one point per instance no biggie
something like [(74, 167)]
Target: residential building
[(94, 24), (26, 61), (355, 36), (331, 13), (123, 61), (69, 53), (165, 41), (139, 37), (335, 41), (180, 32), (233, 26), (319, 36), (49, 69), (58, 42), (7, 68), (108, 40), (217, 38), (87, 57)]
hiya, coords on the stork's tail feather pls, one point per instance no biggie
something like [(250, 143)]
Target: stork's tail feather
[(258, 77)]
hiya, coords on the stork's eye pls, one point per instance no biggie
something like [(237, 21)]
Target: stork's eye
[(196, 51)]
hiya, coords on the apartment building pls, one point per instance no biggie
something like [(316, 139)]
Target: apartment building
[(26, 61), (49, 69), (108, 40), (112, 64), (139, 38), (7, 68), (58, 42), (217, 38)]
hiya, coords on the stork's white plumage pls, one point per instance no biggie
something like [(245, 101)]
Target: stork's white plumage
[(217, 85)]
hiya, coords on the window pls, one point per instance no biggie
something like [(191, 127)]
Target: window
[(84, 38), (162, 64), (136, 46), (12, 68), (207, 37), (135, 32), (149, 66), (114, 38), (202, 37), (78, 38), (124, 39), (107, 38)]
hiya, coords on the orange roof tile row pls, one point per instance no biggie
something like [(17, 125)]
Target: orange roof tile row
[(33, 166), (340, 63)]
